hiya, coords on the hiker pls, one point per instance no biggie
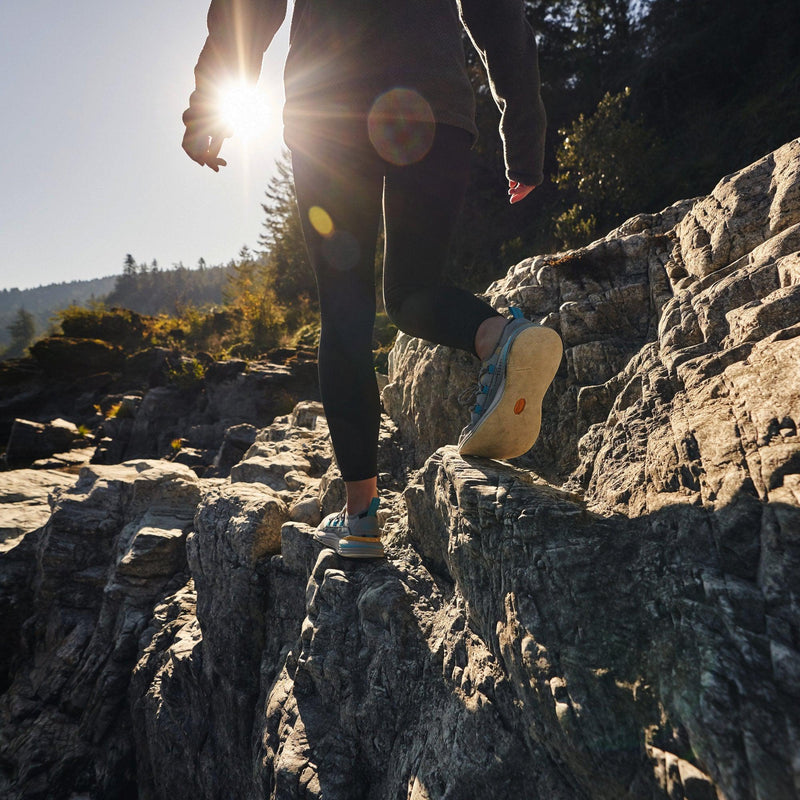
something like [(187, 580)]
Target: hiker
[(379, 119)]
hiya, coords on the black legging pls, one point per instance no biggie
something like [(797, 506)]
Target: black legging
[(340, 183)]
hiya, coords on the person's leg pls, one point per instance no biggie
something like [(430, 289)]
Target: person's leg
[(422, 202), (339, 200)]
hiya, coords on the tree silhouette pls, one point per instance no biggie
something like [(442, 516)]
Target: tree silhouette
[(22, 330)]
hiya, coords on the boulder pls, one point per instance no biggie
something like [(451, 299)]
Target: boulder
[(62, 357), (33, 440), (235, 443)]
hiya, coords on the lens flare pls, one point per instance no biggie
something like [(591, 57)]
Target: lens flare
[(320, 220), (401, 126), (245, 110)]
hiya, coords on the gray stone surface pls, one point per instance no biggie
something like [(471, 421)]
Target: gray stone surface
[(214, 420), (114, 544), (612, 616), (25, 496), (24, 501), (30, 441)]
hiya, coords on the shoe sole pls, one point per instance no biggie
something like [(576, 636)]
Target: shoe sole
[(360, 547), (510, 427)]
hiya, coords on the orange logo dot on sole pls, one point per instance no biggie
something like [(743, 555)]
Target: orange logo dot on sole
[(519, 406)]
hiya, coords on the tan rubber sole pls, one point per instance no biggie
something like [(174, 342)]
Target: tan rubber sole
[(512, 427)]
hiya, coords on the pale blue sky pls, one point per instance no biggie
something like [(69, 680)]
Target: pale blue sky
[(91, 95)]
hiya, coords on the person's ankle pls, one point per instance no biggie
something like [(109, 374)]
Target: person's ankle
[(358, 509), (488, 335), (360, 495)]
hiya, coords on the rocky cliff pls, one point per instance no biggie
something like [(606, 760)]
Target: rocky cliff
[(614, 615)]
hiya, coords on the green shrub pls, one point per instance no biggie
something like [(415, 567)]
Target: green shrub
[(188, 373), (605, 164), (307, 336), (574, 229), (119, 326)]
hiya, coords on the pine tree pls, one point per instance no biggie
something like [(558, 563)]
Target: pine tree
[(284, 257), (22, 329)]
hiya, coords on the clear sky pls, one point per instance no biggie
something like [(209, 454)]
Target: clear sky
[(91, 96)]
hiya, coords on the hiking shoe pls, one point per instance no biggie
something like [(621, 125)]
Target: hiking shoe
[(352, 535), (507, 415)]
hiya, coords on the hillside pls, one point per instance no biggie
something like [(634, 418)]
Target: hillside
[(44, 301), (146, 290)]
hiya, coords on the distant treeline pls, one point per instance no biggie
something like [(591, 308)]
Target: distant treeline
[(147, 289), (42, 302), (152, 290)]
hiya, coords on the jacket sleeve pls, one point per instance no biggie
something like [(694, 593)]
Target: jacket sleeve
[(507, 46), (239, 31)]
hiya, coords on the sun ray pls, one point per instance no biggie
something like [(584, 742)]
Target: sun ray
[(245, 110)]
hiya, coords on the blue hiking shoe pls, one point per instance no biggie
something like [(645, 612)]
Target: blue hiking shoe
[(352, 536), (507, 414)]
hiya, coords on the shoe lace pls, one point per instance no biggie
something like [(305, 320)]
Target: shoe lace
[(340, 520), (472, 395)]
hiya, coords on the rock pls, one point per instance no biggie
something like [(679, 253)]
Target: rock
[(248, 606), (232, 396), (270, 468), (193, 458), (290, 454), (213, 652), (422, 396), (32, 440), (65, 357), (158, 422), (255, 393), (235, 443), (309, 415), (636, 668), (24, 503), (24, 509), (170, 661), (147, 368), (113, 547), (21, 382), (72, 459), (621, 622), (306, 510)]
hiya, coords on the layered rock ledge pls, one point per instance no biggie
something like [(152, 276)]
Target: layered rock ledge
[(614, 615)]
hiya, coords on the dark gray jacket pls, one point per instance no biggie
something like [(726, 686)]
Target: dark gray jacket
[(345, 53)]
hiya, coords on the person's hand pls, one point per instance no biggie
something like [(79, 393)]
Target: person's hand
[(204, 149), (518, 191)]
